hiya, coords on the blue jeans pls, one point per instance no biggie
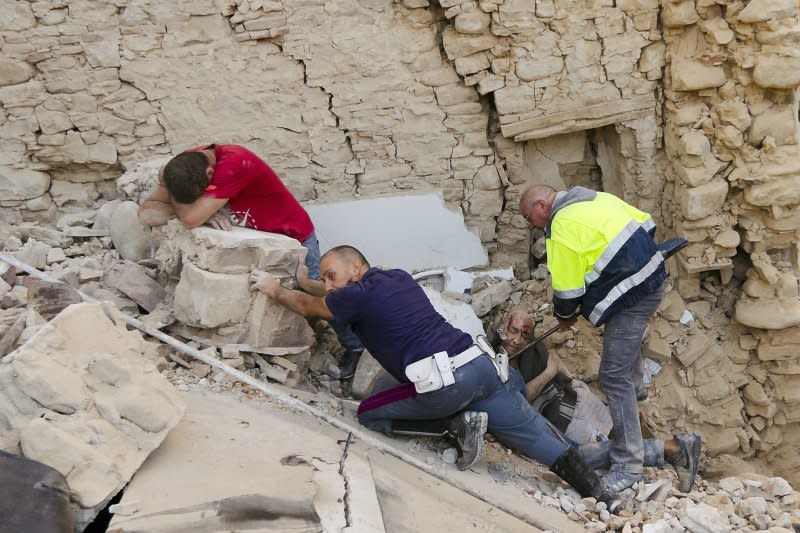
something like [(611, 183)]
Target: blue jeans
[(512, 420), (345, 333), (620, 369), (598, 454)]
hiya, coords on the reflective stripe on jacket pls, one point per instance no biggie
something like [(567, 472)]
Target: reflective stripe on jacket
[(601, 254)]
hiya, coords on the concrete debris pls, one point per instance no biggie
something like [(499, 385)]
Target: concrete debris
[(91, 406), (133, 281)]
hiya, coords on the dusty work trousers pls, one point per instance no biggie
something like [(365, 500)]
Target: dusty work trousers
[(598, 454), (620, 369), (512, 420)]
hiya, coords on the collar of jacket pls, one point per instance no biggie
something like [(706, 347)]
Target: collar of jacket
[(565, 198)]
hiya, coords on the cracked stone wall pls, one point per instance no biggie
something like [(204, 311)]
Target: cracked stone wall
[(733, 140), (343, 99)]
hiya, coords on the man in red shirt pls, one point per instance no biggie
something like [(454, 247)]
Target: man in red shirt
[(196, 184)]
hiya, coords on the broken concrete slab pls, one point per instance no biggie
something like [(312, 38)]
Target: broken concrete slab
[(83, 397), (383, 231), (132, 280), (280, 489)]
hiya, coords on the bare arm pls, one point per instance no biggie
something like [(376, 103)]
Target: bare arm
[(159, 207), (156, 209), (198, 212), (314, 287), (301, 303), (534, 387)]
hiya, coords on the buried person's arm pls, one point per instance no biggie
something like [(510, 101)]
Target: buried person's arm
[(297, 301)]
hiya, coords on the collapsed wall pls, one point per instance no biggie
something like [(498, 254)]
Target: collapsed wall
[(687, 109)]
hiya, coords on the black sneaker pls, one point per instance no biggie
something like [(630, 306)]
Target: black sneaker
[(687, 460), (347, 369), (468, 428)]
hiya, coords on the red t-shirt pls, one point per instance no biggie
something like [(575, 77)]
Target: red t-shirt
[(255, 193)]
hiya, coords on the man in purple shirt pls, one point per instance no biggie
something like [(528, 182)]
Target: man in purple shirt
[(391, 315)]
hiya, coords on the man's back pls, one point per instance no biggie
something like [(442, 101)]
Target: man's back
[(394, 319), (255, 193)]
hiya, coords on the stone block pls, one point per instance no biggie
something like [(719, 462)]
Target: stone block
[(100, 407), (448, 95), (460, 45), (637, 5), (691, 75), (696, 346), (367, 374), (773, 71), (13, 72), (657, 349), (239, 250), (784, 191), (541, 67), (703, 201), (487, 299), (777, 122), (472, 64), (768, 313), (22, 184), (208, 299), (130, 238), (472, 21), (132, 280), (694, 148), (764, 10), (675, 15)]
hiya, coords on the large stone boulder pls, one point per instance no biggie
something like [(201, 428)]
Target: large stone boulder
[(83, 397), (213, 297)]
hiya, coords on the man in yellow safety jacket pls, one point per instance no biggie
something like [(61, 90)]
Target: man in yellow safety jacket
[(605, 265)]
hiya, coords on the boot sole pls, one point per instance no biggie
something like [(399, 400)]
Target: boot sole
[(483, 424), (694, 464)]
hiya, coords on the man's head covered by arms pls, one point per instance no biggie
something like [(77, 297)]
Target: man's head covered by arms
[(187, 175)]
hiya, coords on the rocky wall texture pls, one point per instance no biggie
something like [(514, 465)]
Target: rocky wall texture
[(733, 140), (342, 98)]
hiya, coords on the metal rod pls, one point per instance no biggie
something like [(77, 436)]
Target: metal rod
[(285, 399), (538, 339)]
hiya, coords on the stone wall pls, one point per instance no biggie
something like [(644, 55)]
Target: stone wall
[(733, 140), (344, 99)]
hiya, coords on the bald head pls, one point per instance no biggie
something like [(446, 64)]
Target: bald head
[(536, 204), (341, 266)]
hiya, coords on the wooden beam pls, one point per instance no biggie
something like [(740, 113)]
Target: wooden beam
[(586, 117)]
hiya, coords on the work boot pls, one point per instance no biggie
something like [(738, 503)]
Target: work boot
[(574, 470), (467, 428), (618, 480), (686, 460), (347, 368)]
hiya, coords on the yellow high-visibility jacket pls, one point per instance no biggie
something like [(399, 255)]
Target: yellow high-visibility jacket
[(600, 253)]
